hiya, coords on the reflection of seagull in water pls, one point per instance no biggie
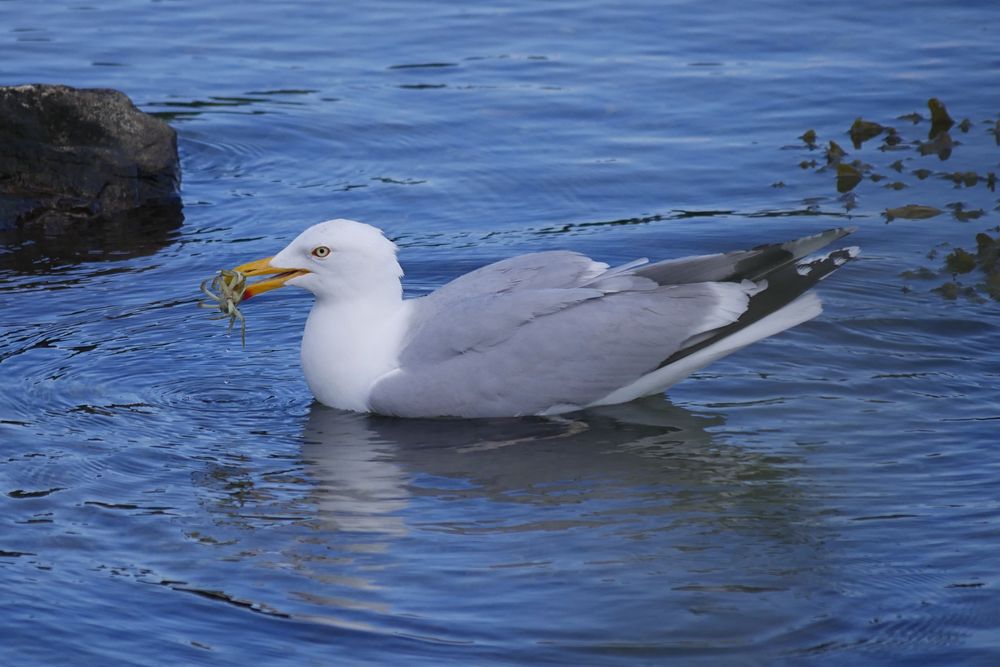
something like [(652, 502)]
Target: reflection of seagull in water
[(366, 467), (367, 471), (543, 333)]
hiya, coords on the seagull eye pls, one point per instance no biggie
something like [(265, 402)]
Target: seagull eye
[(320, 251)]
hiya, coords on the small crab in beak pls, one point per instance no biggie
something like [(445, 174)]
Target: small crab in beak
[(229, 287)]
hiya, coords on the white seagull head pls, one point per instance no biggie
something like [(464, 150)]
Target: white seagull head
[(337, 259)]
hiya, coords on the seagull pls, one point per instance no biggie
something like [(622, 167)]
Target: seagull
[(543, 333)]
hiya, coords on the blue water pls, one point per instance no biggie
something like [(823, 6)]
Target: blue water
[(827, 497)]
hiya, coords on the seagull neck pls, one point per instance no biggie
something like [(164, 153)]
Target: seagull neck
[(362, 310), (380, 298), (349, 342)]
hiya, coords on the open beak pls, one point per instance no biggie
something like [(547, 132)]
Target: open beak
[(262, 267)]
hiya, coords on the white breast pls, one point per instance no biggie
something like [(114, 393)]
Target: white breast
[(348, 345)]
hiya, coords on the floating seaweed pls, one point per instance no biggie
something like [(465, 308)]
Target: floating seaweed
[(863, 130), (940, 120), (912, 212), (960, 272), (848, 176), (960, 261), (834, 153)]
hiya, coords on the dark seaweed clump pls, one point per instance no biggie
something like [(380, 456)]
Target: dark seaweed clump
[(972, 274), (909, 158)]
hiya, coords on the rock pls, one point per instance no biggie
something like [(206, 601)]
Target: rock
[(75, 163)]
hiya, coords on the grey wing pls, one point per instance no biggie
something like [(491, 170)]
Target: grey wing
[(557, 329), (556, 268), (503, 280), (775, 266), (752, 264), (471, 299), (531, 351)]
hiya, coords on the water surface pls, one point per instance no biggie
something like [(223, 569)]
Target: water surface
[(829, 496)]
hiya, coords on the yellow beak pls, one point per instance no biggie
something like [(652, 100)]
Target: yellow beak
[(262, 267)]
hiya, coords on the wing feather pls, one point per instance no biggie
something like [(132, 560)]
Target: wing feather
[(558, 330), (527, 351)]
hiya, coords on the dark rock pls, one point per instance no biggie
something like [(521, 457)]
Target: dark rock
[(80, 163)]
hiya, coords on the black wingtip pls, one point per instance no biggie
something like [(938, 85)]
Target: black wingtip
[(817, 268)]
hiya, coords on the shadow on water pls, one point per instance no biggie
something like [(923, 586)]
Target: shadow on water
[(138, 233), (250, 103)]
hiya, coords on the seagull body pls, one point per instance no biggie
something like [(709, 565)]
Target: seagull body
[(537, 334)]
